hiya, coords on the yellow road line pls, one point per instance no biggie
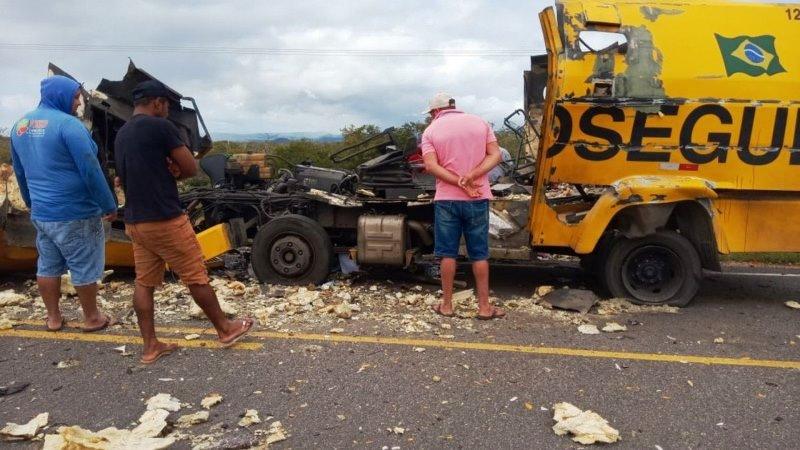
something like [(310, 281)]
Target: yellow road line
[(120, 339), (438, 343)]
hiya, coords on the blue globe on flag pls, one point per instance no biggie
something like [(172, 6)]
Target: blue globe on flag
[(754, 53)]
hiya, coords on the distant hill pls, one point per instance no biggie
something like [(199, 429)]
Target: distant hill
[(277, 137)]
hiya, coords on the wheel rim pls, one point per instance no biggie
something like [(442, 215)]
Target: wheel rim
[(290, 256), (653, 274)]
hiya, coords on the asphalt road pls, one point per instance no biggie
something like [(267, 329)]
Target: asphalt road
[(352, 394)]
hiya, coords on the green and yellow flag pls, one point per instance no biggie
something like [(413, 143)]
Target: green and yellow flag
[(753, 55)]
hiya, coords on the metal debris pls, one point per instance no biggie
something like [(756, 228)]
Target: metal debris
[(587, 427), (580, 300), (15, 432), (211, 400)]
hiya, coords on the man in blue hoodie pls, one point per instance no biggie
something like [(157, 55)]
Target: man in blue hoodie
[(60, 179)]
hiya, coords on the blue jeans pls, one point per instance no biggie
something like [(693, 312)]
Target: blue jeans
[(456, 218), (77, 245)]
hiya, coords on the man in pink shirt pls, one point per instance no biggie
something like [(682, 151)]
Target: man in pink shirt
[(459, 150)]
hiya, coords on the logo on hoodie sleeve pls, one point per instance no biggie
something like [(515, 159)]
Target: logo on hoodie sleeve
[(34, 128), (22, 127)]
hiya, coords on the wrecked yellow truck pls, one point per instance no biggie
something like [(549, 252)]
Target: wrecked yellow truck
[(685, 116), (656, 136)]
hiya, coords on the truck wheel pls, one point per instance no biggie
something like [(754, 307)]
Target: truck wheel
[(291, 249), (659, 269)]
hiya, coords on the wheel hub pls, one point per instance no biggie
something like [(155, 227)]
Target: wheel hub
[(653, 273), (290, 256)]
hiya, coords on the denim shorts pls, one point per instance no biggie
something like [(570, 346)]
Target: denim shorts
[(77, 245), (457, 218)]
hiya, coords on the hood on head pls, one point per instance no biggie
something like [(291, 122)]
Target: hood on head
[(58, 92)]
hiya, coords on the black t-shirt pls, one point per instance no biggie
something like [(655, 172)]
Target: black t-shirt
[(141, 150)]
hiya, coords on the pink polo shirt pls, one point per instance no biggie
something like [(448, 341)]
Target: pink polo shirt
[(459, 141)]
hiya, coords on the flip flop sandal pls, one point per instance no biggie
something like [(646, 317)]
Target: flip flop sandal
[(438, 310), (106, 323), (494, 315), (53, 330), (247, 326), (167, 351)]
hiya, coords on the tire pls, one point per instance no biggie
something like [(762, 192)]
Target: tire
[(660, 269), (292, 250)]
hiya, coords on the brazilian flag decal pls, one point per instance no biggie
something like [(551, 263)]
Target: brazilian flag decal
[(753, 55)]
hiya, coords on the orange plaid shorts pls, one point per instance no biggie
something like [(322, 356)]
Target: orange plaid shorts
[(173, 242)]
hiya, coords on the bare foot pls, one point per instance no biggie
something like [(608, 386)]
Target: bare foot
[(238, 328), (159, 349)]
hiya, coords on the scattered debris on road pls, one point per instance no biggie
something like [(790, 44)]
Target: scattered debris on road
[(189, 420), (122, 350), (613, 327), (163, 401), (275, 433), (11, 298), (588, 329), (250, 417), (27, 431), (793, 304), (211, 400), (68, 363), (586, 427), (6, 323)]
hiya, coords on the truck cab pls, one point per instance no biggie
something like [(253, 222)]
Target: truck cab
[(679, 130)]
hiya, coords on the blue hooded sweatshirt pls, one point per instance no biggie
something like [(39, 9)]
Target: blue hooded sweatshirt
[(55, 159)]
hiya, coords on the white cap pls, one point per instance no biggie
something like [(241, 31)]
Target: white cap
[(440, 100)]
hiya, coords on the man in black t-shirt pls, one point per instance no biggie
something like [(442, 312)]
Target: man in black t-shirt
[(150, 156)]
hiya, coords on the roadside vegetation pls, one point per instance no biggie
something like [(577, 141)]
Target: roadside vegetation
[(775, 258), (5, 149)]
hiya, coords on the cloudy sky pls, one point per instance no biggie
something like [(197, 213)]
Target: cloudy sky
[(281, 66)]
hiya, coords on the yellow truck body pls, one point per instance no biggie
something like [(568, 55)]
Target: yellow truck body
[(690, 117)]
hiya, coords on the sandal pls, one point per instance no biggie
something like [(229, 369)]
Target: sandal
[(497, 313), (166, 351), (58, 328), (438, 310), (109, 321), (247, 325)]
